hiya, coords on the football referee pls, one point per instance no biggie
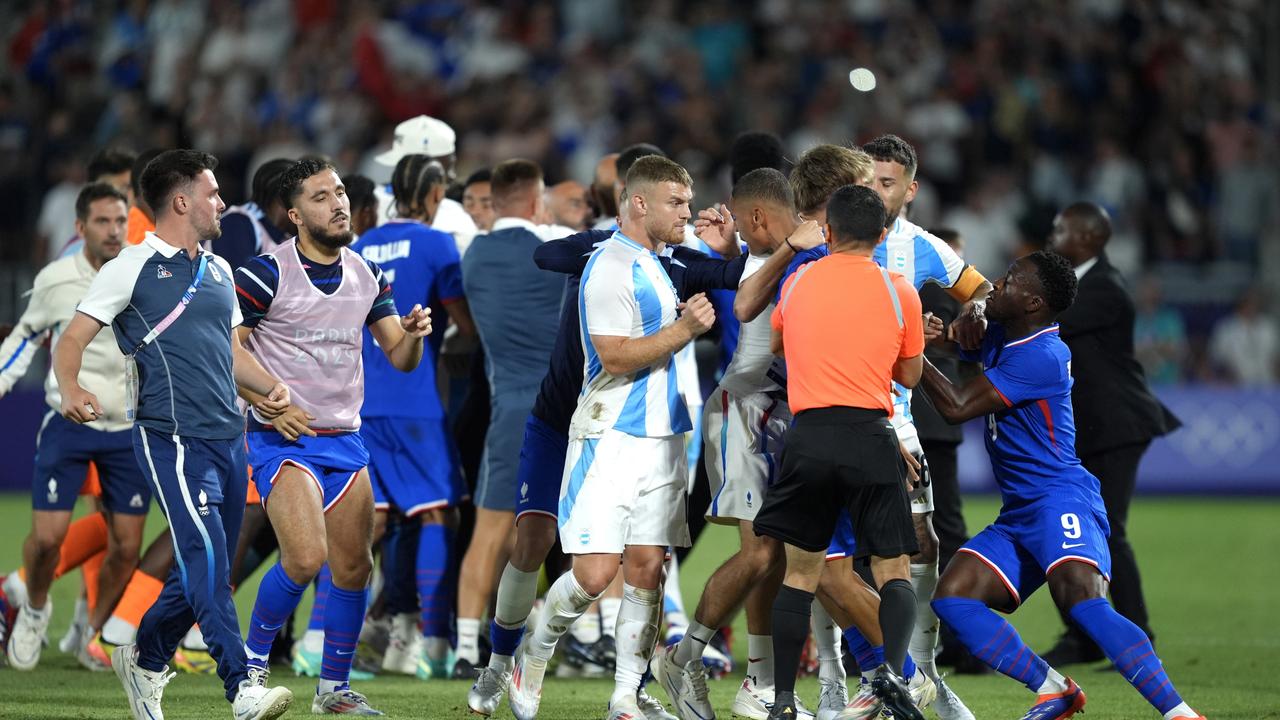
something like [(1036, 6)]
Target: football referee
[(846, 328)]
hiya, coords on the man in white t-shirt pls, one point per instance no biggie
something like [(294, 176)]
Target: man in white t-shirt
[(428, 136)]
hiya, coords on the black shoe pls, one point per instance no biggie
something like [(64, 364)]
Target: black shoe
[(892, 691), (605, 652), (782, 712), (464, 670), (1072, 650)]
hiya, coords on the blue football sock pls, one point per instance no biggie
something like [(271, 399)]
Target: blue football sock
[(992, 640), (278, 597), (323, 581), (503, 639), (868, 656), (1129, 648), (343, 616), (434, 590)]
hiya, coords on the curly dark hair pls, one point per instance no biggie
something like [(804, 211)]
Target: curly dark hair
[(289, 181), (891, 148), (1057, 278)]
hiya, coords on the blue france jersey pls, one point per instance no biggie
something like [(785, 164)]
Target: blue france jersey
[(915, 253), (625, 292), (423, 268), (1032, 442)]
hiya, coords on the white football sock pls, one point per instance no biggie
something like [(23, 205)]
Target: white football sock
[(609, 614), (118, 632), (469, 640), (566, 601), (826, 636), (313, 641), (924, 636), (636, 633), (587, 628), (1182, 711), (516, 592), (694, 643), (760, 659)]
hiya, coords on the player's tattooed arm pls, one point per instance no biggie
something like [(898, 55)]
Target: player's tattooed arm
[(957, 403), (755, 293)]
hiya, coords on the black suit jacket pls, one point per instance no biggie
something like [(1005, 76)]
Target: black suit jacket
[(1113, 406)]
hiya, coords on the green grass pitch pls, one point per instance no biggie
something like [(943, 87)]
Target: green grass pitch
[(1211, 570)]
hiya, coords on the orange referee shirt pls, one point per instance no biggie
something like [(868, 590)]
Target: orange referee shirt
[(138, 226), (845, 321)]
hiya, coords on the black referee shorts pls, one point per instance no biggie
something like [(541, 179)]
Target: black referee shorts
[(840, 459)]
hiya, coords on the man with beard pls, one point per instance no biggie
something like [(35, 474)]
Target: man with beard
[(622, 497), (63, 448), (172, 308), (305, 306)]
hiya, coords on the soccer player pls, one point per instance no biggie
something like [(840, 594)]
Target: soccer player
[(841, 453), (546, 440), (477, 199), (910, 250), (364, 204), (498, 274), (173, 311), (743, 427), (305, 306), (412, 459), (623, 493), (64, 449), (260, 225), (423, 135), (1052, 526)]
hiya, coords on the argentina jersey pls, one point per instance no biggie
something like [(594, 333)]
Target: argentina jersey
[(921, 257), (625, 292)]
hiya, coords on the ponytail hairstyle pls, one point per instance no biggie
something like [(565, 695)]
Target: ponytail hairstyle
[(412, 181)]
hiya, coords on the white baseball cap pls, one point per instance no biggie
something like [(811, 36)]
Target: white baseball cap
[(420, 135)]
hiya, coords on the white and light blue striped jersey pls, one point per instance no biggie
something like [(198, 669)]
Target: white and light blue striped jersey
[(626, 293), (921, 257)]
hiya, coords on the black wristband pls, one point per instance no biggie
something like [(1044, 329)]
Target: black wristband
[(793, 247)]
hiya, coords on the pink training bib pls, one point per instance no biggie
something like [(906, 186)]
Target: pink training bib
[(312, 341)]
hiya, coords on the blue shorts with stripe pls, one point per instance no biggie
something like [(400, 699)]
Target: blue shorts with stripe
[(332, 461), (541, 470), (413, 464), (1024, 545), (63, 452)]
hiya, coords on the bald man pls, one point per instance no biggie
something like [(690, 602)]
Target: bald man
[(603, 193), (567, 205), (1117, 417)]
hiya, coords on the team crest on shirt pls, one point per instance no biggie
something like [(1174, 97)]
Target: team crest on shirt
[(585, 537), (899, 261), (204, 503), (162, 272), (213, 268), (53, 491)]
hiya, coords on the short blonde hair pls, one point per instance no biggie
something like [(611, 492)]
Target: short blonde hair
[(823, 170), (653, 169)]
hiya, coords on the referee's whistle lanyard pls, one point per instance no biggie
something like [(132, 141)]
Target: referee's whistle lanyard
[(131, 365)]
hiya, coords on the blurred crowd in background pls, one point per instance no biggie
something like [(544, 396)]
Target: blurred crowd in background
[(1157, 110)]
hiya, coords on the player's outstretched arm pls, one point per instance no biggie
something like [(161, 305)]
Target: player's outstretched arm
[(78, 405), (756, 292), (620, 355), (959, 403), (401, 337)]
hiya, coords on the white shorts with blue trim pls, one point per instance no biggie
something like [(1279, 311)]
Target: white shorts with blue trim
[(620, 490), (743, 438)]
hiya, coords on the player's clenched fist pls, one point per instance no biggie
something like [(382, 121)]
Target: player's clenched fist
[(80, 405), (698, 314), (418, 322)]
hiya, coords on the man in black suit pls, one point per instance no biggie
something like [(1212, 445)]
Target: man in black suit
[(1117, 417)]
